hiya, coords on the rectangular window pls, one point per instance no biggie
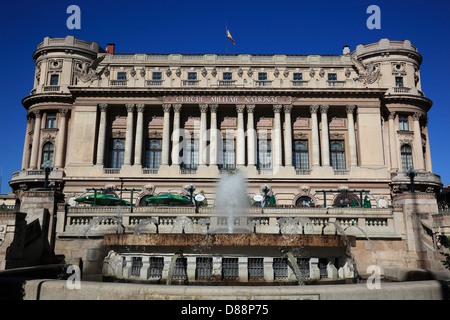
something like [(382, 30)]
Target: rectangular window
[(156, 267), (117, 153), (136, 266), (228, 155), (303, 265), (190, 155), (179, 271), (300, 154), (403, 122), (230, 268), (298, 76), (399, 81), (153, 154), (280, 268), (192, 75), (255, 268), (50, 120), (262, 76), (204, 267), (54, 79), (337, 154), (157, 76), (121, 76), (332, 77), (264, 154), (227, 76)]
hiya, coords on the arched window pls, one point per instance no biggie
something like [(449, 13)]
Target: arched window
[(304, 201), (406, 155), (337, 154), (117, 153), (47, 153), (300, 155), (346, 199)]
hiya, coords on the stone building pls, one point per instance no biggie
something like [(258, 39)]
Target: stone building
[(322, 130)]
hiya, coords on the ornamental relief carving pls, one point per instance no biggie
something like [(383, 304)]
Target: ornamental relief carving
[(48, 138)]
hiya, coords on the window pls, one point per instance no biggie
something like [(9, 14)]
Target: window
[(332, 77), (280, 268), (54, 79), (298, 76), (121, 76), (227, 76), (50, 120), (300, 155), (228, 155), (346, 199), (153, 154), (255, 268), (192, 75), (403, 122), (337, 154), (190, 155), (204, 268), (230, 268), (136, 266), (304, 201), (264, 155), (399, 81), (406, 155), (117, 153), (262, 76), (47, 153), (156, 76)]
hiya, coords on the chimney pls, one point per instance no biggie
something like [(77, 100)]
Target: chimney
[(110, 48), (346, 50)]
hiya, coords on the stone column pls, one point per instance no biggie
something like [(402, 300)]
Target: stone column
[(393, 142), (139, 135), (315, 147), (276, 141), (61, 146), (36, 139), (351, 136), (166, 135), (129, 134), (202, 135), (251, 135), (240, 141), (213, 135), (428, 164), (26, 146), (176, 135), (325, 137), (287, 135), (101, 134), (420, 164)]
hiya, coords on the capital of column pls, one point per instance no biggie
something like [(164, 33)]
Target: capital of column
[(140, 107), (103, 107), (166, 107), (63, 112), (350, 108), (287, 108), (391, 115), (324, 108), (177, 107), (203, 107), (277, 108), (416, 116), (37, 114), (314, 108), (213, 108), (250, 108), (130, 107), (29, 119), (240, 108)]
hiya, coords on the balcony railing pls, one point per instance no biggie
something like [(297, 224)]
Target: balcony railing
[(334, 83), (111, 170), (190, 83), (227, 83), (299, 83), (303, 171), (402, 90), (150, 171), (154, 83), (51, 88), (341, 172), (263, 83), (118, 83)]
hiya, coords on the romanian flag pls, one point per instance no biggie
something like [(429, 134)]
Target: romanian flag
[(229, 36)]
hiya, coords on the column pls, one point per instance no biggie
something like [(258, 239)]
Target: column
[(287, 135), (26, 146), (176, 135), (101, 134), (214, 134), (240, 140), (251, 135), (351, 135), (129, 134), (36, 139), (61, 146), (428, 151), (166, 135), (139, 134), (392, 142), (420, 164), (315, 136), (276, 141), (202, 135), (325, 137)]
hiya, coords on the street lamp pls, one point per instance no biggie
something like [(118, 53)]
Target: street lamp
[(411, 173), (48, 167), (266, 190), (191, 188)]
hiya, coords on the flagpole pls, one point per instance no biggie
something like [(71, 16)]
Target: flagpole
[(226, 39)]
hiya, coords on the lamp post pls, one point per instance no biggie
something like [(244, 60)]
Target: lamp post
[(48, 167), (191, 188), (411, 173), (266, 190)]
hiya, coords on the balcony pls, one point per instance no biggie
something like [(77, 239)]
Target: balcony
[(153, 83), (263, 83), (402, 90), (190, 83), (423, 181), (118, 83), (334, 83), (111, 170), (51, 88), (299, 83), (227, 83)]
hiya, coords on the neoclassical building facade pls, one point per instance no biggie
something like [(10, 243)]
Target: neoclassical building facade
[(301, 123)]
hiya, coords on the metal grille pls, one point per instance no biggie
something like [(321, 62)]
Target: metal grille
[(280, 269), (156, 267), (230, 268), (204, 268), (255, 268), (179, 271), (323, 267), (303, 265), (136, 265)]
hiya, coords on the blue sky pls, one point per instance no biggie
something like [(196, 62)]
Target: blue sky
[(290, 27)]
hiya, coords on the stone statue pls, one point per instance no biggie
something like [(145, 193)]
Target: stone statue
[(368, 74), (88, 70)]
